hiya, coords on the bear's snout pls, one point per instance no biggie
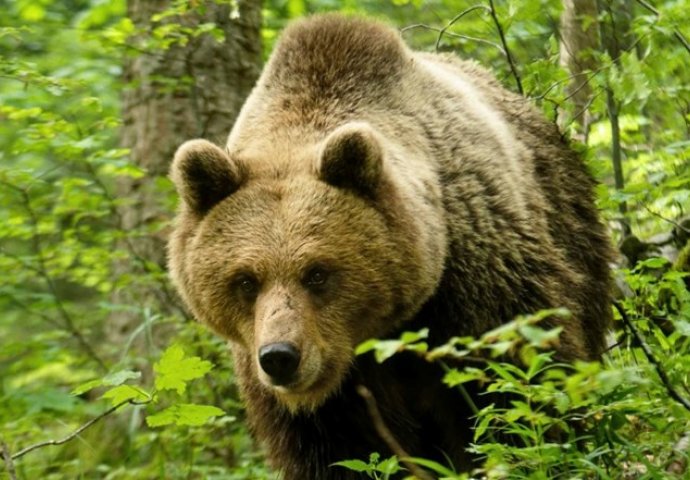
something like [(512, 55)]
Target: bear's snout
[(280, 361)]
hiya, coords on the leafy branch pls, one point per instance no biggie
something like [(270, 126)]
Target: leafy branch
[(651, 358), (503, 47), (508, 53), (79, 430), (444, 31), (387, 436), (173, 371), (169, 298), (676, 224), (42, 270), (676, 33)]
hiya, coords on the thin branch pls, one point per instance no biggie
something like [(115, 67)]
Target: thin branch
[(455, 19), (582, 111), (9, 463), (168, 297), (77, 432), (652, 359), (672, 222), (46, 318), (387, 436), (48, 279), (589, 75), (543, 95), (676, 33), (509, 55), (454, 35)]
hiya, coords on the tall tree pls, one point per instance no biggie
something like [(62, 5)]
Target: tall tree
[(194, 64), (617, 37), (579, 40)]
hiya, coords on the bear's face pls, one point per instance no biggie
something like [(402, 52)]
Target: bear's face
[(295, 270)]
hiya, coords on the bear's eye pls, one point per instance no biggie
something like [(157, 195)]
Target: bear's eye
[(247, 285), (316, 277)]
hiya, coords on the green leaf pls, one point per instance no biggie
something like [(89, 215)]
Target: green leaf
[(385, 349), (433, 466), (85, 387), (539, 337), (482, 426), (411, 337), (502, 369), (652, 263), (356, 465), (455, 377), (120, 377), (184, 414), (111, 380), (367, 346), (388, 466), (123, 393), (174, 369), (682, 327), (420, 347)]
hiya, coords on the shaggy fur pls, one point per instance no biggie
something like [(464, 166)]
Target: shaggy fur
[(366, 190)]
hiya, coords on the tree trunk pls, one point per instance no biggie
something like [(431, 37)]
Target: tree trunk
[(579, 39), (190, 89), (617, 37)]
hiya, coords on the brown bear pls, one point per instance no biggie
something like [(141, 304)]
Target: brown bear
[(366, 190)]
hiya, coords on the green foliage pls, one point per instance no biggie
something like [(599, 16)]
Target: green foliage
[(541, 419), (62, 235), (174, 370), (385, 349), (375, 468)]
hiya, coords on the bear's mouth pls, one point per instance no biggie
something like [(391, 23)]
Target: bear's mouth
[(308, 393), (311, 380)]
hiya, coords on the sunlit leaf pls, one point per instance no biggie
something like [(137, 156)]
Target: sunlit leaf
[(175, 369)]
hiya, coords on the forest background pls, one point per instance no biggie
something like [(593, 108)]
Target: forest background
[(104, 375)]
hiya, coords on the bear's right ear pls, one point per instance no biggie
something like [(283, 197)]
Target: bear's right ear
[(204, 175), (352, 158)]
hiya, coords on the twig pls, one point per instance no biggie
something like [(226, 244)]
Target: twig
[(9, 464), (48, 279), (591, 74), (30, 311), (676, 33), (582, 111), (454, 35), (672, 222), (509, 55), (543, 95), (169, 297), (442, 31), (79, 430), (387, 436), (651, 358)]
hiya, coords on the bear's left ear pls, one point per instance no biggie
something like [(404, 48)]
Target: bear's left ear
[(204, 175), (352, 158)]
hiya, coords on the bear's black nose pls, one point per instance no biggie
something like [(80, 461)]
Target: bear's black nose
[(279, 360)]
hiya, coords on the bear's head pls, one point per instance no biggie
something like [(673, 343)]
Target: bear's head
[(297, 264)]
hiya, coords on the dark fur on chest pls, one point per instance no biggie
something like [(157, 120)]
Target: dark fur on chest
[(426, 421)]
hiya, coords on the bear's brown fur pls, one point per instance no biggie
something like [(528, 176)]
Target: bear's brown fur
[(366, 190)]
